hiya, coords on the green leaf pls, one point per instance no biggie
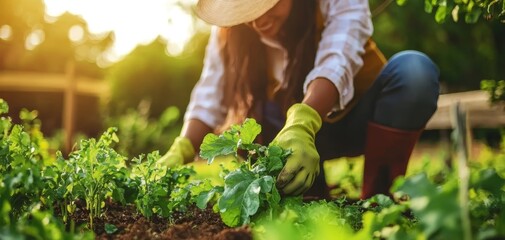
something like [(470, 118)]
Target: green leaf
[(428, 7), (489, 180), (26, 115), (214, 146), (455, 13), (274, 198), (241, 196), (401, 2), (441, 14), (275, 159), (231, 217), (267, 184), (169, 116), (274, 151), (228, 142), (381, 200), (249, 131), (236, 183), (204, 197), (251, 200), (118, 195), (4, 107), (5, 208), (274, 165), (110, 228), (502, 8), (473, 15), (437, 208)]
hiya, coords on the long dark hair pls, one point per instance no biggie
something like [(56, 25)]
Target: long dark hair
[(246, 71)]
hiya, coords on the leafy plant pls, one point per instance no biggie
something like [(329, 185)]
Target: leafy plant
[(59, 182), (23, 157), (495, 89), (140, 133), (471, 9), (97, 171), (157, 184), (39, 224), (438, 211), (251, 187), (26, 194), (312, 220)]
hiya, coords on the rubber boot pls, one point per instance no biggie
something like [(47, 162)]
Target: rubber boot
[(387, 154)]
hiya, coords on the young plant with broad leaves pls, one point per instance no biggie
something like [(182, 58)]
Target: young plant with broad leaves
[(250, 188)]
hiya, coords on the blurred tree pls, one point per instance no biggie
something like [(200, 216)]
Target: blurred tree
[(30, 40), (68, 38), (470, 10), (17, 20), (150, 74), (465, 53)]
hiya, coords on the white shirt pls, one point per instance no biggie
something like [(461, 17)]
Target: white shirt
[(347, 27)]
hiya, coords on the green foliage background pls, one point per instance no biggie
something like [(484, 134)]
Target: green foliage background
[(466, 53)]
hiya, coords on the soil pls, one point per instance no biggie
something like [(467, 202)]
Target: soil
[(194, 224)]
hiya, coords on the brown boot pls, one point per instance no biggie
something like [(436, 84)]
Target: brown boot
[(387, 153)]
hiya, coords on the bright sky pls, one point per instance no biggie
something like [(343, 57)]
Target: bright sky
[(133, 21)]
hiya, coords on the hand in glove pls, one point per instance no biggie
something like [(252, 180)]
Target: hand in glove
[(180, 152), (298, 134)]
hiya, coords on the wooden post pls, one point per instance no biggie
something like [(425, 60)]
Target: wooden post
[(69, 100), (461, 128)]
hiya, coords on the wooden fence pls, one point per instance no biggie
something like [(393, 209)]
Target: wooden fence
[(68, 84)]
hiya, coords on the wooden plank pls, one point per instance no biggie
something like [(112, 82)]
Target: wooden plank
[(481, 113), (69, 104), (49, 82)]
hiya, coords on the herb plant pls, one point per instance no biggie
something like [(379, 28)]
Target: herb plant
[(157, 184), (98, 169)]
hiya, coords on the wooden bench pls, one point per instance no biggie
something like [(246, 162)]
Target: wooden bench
[(460, 113), (480, 112)]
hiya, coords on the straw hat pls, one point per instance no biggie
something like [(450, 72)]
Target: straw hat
[(225, 13)]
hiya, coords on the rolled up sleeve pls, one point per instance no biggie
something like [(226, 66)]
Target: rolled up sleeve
[(347, 27), (205, 102)]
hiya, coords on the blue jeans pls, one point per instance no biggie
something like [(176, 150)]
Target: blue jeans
[(404, 96)]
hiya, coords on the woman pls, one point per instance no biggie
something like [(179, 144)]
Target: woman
[(309, 73)]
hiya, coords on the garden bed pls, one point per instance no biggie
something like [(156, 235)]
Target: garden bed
[(95, 194), (195, 224)]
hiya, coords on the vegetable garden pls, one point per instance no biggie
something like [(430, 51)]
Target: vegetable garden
[(96, 193)]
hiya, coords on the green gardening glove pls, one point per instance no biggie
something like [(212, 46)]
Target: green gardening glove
[(180, 152), (298, 134)]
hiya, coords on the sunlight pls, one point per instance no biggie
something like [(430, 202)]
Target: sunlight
[(5, 32), (76, 33), (34, 39), (178, 31), (132, 21)]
